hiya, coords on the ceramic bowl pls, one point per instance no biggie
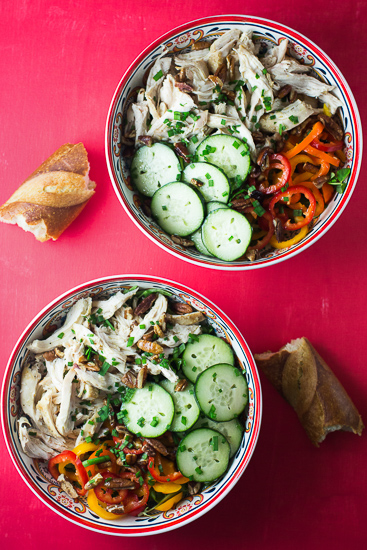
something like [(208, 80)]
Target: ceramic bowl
[(178, 40), (35, 473)]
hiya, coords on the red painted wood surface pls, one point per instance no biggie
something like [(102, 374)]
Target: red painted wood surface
[(60, 62)]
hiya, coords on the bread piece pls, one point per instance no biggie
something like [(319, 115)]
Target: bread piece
[(53, 196), (304, 379)]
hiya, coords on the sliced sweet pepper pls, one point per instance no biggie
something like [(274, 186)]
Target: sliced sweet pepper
[(316, 131), (285, 197), (169, 503), (282, 164), (96, 507), (68, 457), (161, 478), (285, 244)]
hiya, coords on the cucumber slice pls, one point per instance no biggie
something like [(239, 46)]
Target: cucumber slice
[(232, 431), (228, 153), (215, 183), (152, 167), (226, 234), (199, 245), (149, 412), (208, 350), (178, 208), (203, 455), (186, 409), (214, 205), (222, 392)]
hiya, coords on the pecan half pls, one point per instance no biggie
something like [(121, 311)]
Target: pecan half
[(201, 45), (157, 445), (196, 182), (331, 126), (252, 254), (181, 241), (147, 140), (150, 347), (131, 459), (115, 508), (182, 151), (284, 91), (230, 94), (129, 380), (158, 331), (216, 80), (142, 376), (194, 488), (181, 385), (119, 483), (181, 307), (145, 304), (258, 137), (148, 335), (184, 87), (92, 366), (94, 481), (308, 167), (319, 182), (59, 352)]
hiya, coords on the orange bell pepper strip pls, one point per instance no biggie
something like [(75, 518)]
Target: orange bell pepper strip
[(316, 131), (327, 191), (321, 155), (323, 170), (298, 159)]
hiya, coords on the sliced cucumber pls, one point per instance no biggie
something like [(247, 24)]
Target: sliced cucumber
[(232, 431), (214, 205), (226, 234), (199, 245), (228, 153), (203, 455), (152, 167), (208, 350), (215, 185), (186, 409), (149, 412), (222, 392), (178, 208)]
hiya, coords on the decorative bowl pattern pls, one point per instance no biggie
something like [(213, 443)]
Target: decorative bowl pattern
[(35, 473), (181, 38)]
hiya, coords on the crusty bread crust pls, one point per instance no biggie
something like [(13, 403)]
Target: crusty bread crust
[(303, 378), (53, 196)]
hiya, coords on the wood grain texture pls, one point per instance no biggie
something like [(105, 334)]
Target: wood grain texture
[(60, 62)]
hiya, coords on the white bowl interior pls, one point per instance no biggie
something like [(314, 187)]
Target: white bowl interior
[(35, 473)]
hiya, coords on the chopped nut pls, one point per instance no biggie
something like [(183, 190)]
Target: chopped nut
[(93, 482), (158, 331), (216, 80), (319, 182), (122, 429), (92, 367), (49, 355), (116, 509), (147, 140), (148, 335), (196, 182), (181, 307), (252, 254), (308, 167), (59, 352), (150, 347), (331, 126), (156, 358), (231, 95), (119, 483), (128, 313), (263, 158), (162, 322), (194, 488), (284, 91), (82, 359), (258, 137), (146, 304), (221, 72), (181, 385), (201, 45), (184, 87), (157, 445), (181, 75), (67, 486), (131, 459), (182, 151), (181, 241), (193, 318), (142, 376)]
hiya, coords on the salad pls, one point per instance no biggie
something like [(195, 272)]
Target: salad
[(234, 147), (133, 402)]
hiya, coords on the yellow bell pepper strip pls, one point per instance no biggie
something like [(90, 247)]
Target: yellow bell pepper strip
[(327, 191), (320, 206), (321, 155), (169, 503), (165, 488), (84, 448), (316, 131), (285, 244), (96, 507), (68, 457), (284, 198)]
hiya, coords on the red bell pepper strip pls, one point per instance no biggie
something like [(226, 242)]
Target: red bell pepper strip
[(309, 213), (269, 227), (69, 456), (157, 477), (284, 178), (108, 495), (132, 503), (327, 147)]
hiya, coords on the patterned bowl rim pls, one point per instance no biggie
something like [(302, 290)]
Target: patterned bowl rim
[(350, 102), (195, 512)]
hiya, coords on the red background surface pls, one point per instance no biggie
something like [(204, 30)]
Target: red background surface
[(60, 62)]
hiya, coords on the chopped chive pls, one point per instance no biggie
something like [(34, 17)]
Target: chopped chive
[(61, 335), (130, 341), (236, 144), (158, 75)]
